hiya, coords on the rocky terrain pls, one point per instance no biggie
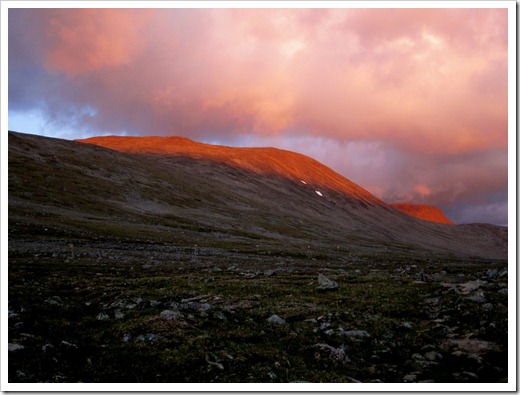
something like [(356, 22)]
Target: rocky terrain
[(146, 267)]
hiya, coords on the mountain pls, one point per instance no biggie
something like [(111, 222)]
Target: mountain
[(173, 190), (423, 211)]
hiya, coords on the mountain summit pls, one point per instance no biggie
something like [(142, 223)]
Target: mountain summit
[(176, 191)]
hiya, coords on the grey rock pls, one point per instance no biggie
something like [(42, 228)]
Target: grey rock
[(196, 306), (324, 326), (118, 314), (102, 317), (356, 334), (151, 337), (67, 345), (55, 300), (275, 319), (422, 277), (405, 325), (410, 378), (338, 354), (326, 284), (12, 314), (433, 356), (428, 347), (171, 314), (477, 297), (14, 347)]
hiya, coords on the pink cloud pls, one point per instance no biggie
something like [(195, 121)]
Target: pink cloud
[(406, 87), (90, 40), (427, 80)]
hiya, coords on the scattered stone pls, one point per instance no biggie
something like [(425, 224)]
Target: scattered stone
[(171, 314), (432, 356), (12, 314), (337, 354), (356, 334), (275, 319), (197, 298), (410, 378), (102, 317), (118, 314), (471, 286), (126, 337), (405, 325), (196, 306), (422, 277), (325, 284), (215, 362), (55, 300), (14, 347), (219, 315), (151, 337), (477, 297), (68, 345), (324, 326)]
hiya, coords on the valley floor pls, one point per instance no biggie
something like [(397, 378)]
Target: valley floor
[(114, 311)]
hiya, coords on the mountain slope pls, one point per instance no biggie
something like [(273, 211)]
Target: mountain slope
[(422, 211), (266, 161), (185, 193)]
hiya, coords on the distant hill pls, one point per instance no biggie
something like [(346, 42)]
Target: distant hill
[(422, 211), (174, 190)]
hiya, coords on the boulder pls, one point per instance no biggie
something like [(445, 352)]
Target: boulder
[(326, 284)]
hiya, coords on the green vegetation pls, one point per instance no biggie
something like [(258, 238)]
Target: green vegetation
[(100, 317)]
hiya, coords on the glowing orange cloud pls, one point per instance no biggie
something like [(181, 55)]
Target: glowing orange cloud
[(93, 39), (428, 80)]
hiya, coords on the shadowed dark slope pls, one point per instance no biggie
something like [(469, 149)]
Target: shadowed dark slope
[(181, 192)]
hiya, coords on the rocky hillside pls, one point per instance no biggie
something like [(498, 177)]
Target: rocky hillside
[(280, 194), (423, 211)]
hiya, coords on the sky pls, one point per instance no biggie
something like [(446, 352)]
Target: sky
[(411, 104)]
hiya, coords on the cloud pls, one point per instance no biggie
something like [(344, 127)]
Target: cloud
[(391, 98)]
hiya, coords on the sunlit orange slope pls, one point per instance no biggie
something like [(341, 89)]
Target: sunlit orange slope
[(422, 211), (291, 165)]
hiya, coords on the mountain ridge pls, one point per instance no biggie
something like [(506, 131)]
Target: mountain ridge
[(423, 211), (263, 160)]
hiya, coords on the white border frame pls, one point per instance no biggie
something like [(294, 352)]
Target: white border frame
[(298, 387)]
